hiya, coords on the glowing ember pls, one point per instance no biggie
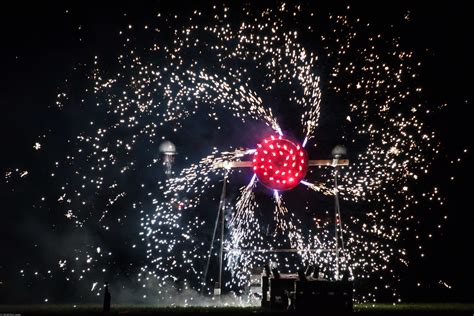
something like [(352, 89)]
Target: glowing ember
[(279, 163)]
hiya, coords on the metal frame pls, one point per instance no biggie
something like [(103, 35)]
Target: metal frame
[(336, 163)]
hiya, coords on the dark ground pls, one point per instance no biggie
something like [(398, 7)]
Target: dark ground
[(377, 309)]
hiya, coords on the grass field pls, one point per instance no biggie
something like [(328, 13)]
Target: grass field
[(365, 309)]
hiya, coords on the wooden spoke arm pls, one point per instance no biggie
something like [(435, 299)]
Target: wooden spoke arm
[(329, 162), (311, 163)]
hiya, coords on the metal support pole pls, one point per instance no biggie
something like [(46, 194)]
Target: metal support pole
[(336, 219), (221, 254), (219, 211)]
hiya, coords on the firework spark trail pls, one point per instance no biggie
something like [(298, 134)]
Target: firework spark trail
[(311, 99), (287, 227), (245, 233), (319, 187), (182, 96), (189, 178), (228, 92), (287, 61)]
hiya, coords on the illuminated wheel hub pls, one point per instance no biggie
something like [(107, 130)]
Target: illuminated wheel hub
[(279, 163)]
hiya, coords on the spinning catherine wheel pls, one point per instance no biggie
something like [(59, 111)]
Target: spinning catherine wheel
[(279, 163)]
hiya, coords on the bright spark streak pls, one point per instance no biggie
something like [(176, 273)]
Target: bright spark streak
[(304, 142)]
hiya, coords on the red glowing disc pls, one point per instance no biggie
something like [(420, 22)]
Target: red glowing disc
[(279, 163)]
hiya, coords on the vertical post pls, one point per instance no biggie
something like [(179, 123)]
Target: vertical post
[(221, 254), (336, 218), (219, 211)]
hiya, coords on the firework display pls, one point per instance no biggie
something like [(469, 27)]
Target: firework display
[(164, 129)]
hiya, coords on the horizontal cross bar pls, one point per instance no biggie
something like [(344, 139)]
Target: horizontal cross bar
[(279, 250), (311, 163), (328, 162)]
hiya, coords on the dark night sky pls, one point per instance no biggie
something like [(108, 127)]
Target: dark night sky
[(40, 44)]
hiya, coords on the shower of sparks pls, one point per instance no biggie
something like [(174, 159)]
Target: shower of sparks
[(163, 87)]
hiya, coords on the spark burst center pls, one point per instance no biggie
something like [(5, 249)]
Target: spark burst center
[(279, 163)]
